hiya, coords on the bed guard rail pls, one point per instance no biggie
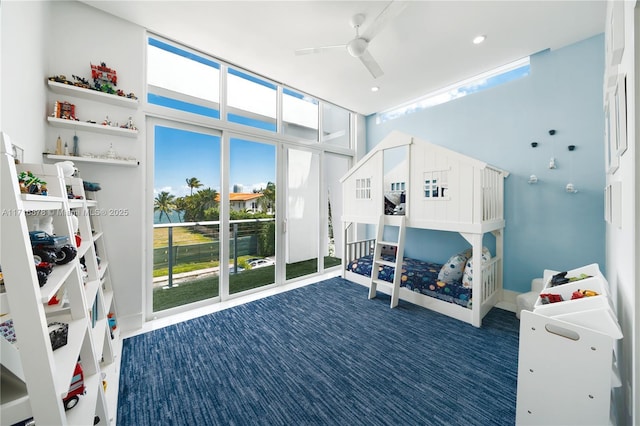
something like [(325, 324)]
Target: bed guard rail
[(490, 278), (356, 249)]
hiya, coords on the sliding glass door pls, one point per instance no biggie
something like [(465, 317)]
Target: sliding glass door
[(252, 214), (186, 227), (303, 212), (334, 167)]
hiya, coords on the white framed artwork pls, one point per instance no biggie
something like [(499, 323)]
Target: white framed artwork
[(607, 203), (611, 150), (613, 204), (620, 96), (616, 32), (616, 204)]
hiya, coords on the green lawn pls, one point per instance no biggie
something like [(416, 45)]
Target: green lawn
[(181, 236), (206, 288)]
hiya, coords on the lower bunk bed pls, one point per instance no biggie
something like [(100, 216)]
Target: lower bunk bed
[(445, 288)]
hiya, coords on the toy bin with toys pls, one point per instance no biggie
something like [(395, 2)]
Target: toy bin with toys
[(580, 296), (566, 360)]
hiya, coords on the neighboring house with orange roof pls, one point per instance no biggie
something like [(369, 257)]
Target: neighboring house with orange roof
[(243, 201)]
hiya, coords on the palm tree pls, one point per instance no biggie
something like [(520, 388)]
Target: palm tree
[(193, 183), (198, 203), (268, 199), (165, 203)]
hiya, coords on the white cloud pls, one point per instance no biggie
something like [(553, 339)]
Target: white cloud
[(168, 189)]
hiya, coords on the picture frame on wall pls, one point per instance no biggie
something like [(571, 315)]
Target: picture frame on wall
[(616, 204), (620, 96), (607, 203), (611, 150), (616, 32), (613, 204)]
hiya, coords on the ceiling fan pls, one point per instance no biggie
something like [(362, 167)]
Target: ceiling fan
[(357, 47)]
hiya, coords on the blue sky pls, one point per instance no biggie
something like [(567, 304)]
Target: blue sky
[(180, 155)]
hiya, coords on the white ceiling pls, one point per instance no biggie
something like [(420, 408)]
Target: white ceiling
[(425, 48)]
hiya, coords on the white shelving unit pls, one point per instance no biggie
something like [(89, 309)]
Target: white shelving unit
[(81, 94), (108, 344), (108, 161), (566, 364), (36, 378), (92, 127)]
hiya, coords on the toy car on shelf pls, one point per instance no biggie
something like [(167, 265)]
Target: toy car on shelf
[(76, 388), (43, 269), (52, 249)]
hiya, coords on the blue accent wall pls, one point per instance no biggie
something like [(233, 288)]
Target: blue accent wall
[(546, 227)]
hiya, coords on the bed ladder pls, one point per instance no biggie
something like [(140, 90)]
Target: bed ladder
[(378, 261)]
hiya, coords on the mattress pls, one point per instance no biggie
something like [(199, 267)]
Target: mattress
[(417, 275)]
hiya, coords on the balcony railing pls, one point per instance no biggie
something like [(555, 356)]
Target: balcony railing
[(198, 243)]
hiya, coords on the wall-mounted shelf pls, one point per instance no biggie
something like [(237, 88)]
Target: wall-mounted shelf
[(80, 92), (95, 160), (91, 127)]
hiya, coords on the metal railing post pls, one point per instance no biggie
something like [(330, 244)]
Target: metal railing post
[(235, 248), (170, 259)]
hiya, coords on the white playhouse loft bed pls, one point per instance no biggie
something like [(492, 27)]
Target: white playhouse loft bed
[(444, 190)]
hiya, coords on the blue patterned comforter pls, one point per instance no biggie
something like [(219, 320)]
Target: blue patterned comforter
[(417, 275)]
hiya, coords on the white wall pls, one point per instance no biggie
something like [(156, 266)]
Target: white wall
[(25, 30), (40, 39), (95, 37), (621, 249)]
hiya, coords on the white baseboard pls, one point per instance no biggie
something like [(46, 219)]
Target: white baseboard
[(508, 302)]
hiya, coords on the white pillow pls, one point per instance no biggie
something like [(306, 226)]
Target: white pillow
[(452, 270), (467, 277)]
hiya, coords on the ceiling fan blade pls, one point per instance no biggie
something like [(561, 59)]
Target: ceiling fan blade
[(393, 9), (371, 64), (323, 49)]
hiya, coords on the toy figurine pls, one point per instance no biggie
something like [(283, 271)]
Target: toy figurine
[(547, 298), (579, 294), (31, 184), (58, 146), (76, 151)]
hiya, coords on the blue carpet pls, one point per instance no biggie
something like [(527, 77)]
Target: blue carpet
[(322, 355)]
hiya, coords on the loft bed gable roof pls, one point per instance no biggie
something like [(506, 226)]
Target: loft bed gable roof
[(397, 139)]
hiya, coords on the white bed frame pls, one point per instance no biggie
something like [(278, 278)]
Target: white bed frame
[(473, 206)]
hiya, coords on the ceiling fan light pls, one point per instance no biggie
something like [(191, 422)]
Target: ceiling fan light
[(357, 47)]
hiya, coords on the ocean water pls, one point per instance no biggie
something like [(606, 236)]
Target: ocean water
[(176, 217)]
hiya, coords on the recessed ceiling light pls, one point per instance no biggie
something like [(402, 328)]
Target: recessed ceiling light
[(479, 39), (375, 88)]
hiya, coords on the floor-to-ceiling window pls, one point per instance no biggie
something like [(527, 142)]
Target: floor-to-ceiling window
[(303, 212), (186, 231), (252, 214), (334, 167), (274, 146)]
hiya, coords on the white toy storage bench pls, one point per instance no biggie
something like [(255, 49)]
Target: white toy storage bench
[(566, 364)]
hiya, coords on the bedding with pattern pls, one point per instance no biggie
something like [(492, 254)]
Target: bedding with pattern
[(419, 276)]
